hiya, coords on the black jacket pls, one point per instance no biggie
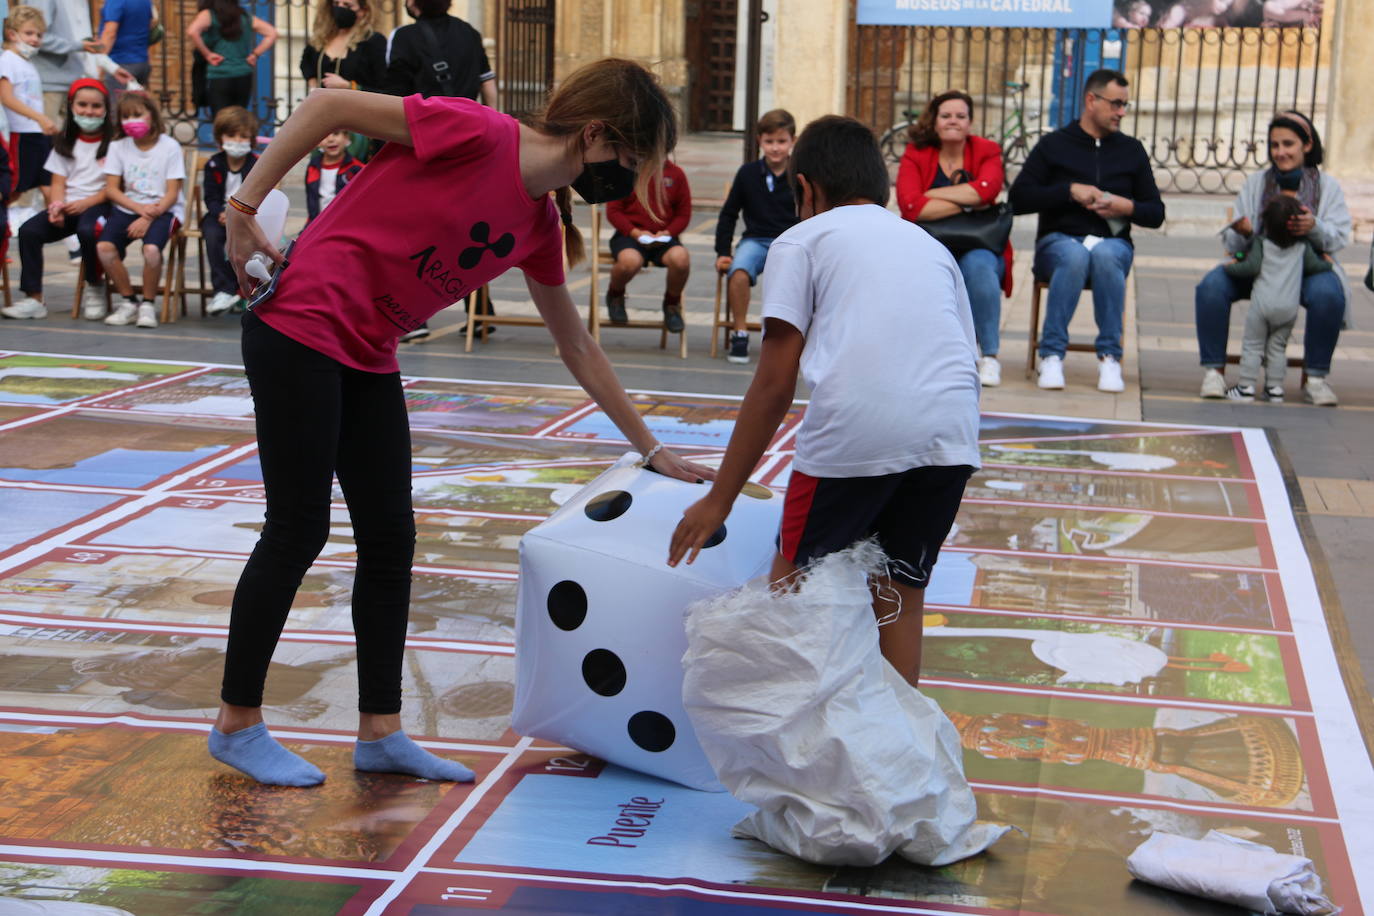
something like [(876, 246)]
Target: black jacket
[(410, 67), (364, 65), (1117, 164), (348, 170), (216, 174), (767, 213)]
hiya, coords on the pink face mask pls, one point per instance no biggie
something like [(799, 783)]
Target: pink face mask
[(135, 127)]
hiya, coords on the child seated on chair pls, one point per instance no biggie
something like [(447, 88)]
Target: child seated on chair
[(891, 433), (144, 174), (329, 170), (78, 205), (762, 192), (235, 130), (1276, 260), (650, 234)]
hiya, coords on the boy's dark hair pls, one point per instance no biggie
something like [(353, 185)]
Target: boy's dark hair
[(1274, 220), (840, 156), (237, 120), (432, 7), (1101, 79), (777, 119)]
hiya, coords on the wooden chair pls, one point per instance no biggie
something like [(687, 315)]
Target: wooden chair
[(594, 301), (721, 327), (1034, 335), (170, 254), (175, 302)]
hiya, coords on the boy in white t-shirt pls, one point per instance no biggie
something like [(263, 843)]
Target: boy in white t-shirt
[(21, 93), (874, 313)]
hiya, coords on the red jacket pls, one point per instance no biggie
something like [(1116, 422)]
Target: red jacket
[(982, 160), (674, 211)]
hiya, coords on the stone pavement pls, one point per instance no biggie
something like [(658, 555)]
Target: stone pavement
[(1331, 452)]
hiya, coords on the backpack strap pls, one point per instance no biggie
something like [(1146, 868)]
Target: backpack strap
[(433, 61)]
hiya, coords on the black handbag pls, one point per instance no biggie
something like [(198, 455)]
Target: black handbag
[(989, 228)]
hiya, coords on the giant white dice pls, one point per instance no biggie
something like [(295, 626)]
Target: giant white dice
[(599, 626)]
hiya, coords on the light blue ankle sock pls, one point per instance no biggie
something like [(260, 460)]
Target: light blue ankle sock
[(396, 753), (255, 752)]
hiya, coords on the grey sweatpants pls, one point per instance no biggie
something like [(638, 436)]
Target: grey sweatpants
[(1266, 341)]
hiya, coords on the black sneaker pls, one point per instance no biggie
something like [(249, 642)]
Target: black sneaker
[(672, 318), (1240, 393), (419, 333), (739, 348), (615, 309), (1273, 392)]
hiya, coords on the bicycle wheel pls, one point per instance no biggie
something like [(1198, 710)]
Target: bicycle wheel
[(893, 143)]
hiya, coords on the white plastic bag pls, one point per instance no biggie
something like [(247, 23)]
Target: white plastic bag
[(800, 715), (1232, 870)]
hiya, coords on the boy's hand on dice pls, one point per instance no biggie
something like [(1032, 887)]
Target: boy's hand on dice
[(702, 519)]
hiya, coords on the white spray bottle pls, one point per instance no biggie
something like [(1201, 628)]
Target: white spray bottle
[(272, 218)]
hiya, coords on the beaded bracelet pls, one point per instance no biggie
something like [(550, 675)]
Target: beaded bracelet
[(649, 455), (242, 207)]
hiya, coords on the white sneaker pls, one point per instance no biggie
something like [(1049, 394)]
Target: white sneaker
[(93, 303), (73, 250), (1213, 384), (147, 315), (1318, 393), (1109, 375), (28, 307), (1051, 372), (124, 313), (221, 303), (989, 371)]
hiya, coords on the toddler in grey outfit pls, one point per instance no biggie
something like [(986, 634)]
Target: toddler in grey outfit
[(1276, 261)]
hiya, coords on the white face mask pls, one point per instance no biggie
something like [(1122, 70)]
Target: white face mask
[(25, 50), (238, 149)]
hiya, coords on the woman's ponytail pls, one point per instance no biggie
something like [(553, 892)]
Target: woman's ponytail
[(573, 247)]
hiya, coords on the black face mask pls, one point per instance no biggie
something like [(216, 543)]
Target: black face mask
[(1290, 180), (344, 17), (601, 182)]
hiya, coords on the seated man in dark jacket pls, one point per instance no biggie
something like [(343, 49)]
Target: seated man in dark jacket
[(1088, 182)]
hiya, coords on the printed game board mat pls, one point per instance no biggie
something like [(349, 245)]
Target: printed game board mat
[(1124, 625)]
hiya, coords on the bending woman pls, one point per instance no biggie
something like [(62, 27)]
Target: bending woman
[(946, 170), (1295, 154), (320, 353)]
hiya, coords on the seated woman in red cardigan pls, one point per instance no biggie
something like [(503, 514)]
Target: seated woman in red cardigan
[(947, 170)]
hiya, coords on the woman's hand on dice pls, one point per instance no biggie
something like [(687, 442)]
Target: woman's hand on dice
[(670, 464)]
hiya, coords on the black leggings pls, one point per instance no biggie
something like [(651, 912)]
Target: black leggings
[(317, 418), (232, 90)]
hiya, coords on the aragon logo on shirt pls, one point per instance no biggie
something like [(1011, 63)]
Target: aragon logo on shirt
[(481, 233)]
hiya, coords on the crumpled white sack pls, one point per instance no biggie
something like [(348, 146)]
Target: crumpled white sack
[(1232, 870), (800, 715)]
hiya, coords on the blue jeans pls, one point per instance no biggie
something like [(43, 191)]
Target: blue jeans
[(1069, 265), (983, 270), (750, 255), (1323, 295)]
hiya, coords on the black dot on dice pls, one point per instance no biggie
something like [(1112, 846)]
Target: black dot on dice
[(604, 672), (608, 506), (652, 731), (715, 539), (567, 605)]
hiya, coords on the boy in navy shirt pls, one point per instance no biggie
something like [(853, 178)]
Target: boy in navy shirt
[(761, 191)]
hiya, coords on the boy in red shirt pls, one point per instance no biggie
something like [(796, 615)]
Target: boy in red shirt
[(651, 234)]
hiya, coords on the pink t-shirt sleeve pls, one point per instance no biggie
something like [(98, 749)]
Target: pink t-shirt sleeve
[(442, 127), (545, 263)]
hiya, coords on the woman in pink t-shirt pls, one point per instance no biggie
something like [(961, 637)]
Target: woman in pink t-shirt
[(458, 195)]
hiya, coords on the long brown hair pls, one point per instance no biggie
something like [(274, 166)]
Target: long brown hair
[(629, 102), (324, 29), (922, 133)]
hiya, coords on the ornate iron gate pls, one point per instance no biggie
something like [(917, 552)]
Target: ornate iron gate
[(524, 64), (1200, 97)]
